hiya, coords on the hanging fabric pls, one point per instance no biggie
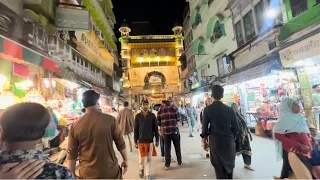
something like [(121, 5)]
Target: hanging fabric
[(20, 70)]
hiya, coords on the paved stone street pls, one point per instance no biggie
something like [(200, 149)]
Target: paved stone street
[(196, 166)]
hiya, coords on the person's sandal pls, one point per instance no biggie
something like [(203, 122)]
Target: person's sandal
[(248, 167), (141, 173)]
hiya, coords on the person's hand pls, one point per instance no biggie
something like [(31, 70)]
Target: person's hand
[(160, 132), (250, 135), (305, 148), (28, 169), (136, 145), (157, 144), (204, 143), (124, 167)]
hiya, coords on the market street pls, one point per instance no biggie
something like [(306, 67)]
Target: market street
[(196, 166)]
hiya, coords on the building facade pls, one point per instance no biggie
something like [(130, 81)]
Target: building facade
[(151, 65), (300, 49), (188, 63), (76, 35), (213, 39)]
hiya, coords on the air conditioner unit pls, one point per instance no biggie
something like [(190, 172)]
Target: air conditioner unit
[(215, 37), (99, 34)]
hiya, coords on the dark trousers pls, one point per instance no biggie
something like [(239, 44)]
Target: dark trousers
[(246, 159), (182, 119), (221, 172), (219, 168), (162, 146), (175, 138), (286, 168)]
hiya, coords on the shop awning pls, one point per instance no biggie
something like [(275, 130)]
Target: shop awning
[(254, 73), (15, 52)]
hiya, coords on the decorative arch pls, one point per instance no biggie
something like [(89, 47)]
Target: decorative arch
[(203, 7), (156, 74), (144, 53), (195, 46), (205, 2), (162, 52), (212, 23), (193, 17), (170, 52), (135, 53), (153, 52), (198, 46)]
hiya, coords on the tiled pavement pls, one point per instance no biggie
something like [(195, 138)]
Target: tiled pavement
[(196, 166)]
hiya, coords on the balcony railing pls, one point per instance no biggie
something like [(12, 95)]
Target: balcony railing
[(298, 7), (215, 37)]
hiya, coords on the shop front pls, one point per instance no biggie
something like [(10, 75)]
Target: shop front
[(21, 73), (304, 56), (259, 92)]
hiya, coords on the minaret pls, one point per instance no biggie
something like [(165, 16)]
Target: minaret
[(177, 31), (125, 52)]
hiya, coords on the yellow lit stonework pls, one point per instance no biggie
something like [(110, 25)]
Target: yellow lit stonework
[(154, 64)]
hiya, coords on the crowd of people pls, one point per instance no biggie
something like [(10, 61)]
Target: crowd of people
[(223, 129)]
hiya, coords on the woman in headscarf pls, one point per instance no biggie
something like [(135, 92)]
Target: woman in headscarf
[(243, 140), (294, 143)]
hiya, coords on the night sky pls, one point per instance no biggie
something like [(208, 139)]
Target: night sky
[(161, 15)]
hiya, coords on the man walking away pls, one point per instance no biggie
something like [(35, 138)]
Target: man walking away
[(168, 118), (191, 116), (181, 111), (220, 121), (125, 120), (145, 129), (92, 137), (161, 135)]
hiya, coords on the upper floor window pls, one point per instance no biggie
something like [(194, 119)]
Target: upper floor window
[(218, 31), (298, 7), (239, 35), (201, 49), (204, 73), (198, 19), (221, 67), (259, 9), (249, 25)]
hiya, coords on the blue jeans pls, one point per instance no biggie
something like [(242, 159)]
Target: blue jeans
[(182, 119), (191, 123)]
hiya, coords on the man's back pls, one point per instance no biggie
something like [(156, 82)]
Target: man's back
[(168, 118), (125, 120), (222, 120), (93, 134)]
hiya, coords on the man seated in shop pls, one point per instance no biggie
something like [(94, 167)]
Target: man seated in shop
[(23, 125)]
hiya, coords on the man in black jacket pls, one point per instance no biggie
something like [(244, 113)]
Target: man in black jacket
[(145, 130), (221, 126)]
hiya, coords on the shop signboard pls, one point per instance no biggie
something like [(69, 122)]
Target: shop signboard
[(92, 48), (248, 57), (305, 88), (302, 50), (35, 36), (72, 19)]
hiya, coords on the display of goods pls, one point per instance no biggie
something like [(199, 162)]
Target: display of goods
[(269, 125), (264, 124), (259, 129)]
